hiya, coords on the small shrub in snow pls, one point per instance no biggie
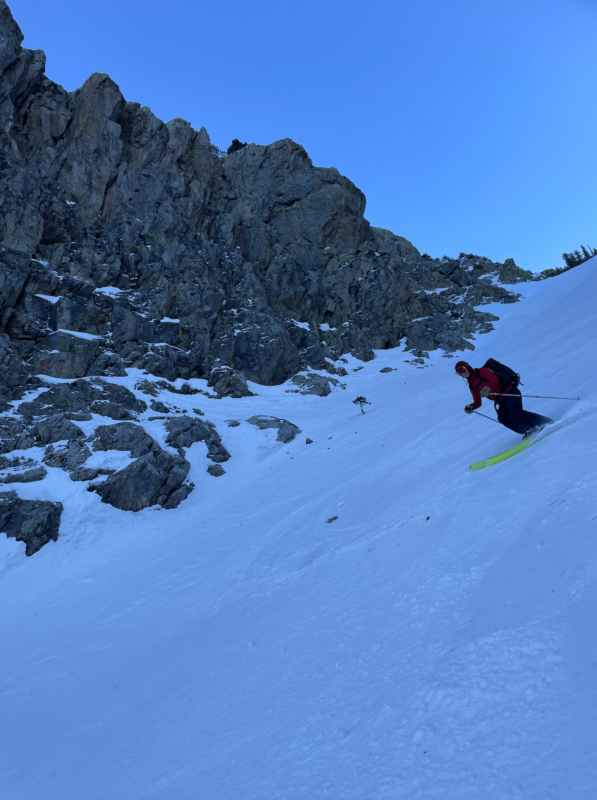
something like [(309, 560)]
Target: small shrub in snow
[(361, 401)]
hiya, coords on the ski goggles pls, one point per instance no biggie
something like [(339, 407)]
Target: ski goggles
[(461, 369)]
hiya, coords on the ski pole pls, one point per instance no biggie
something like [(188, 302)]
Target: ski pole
[(540, 396), (486, 417)]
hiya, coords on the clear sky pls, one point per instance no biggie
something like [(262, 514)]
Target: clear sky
[(470, 125)]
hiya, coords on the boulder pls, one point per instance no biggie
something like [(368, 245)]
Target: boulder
[(216, 470), (35, 522), (286, 430), (154, 479), (126, 436), (228, 382), (57, 428)]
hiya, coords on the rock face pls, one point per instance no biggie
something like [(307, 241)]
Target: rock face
[(35, 522), (126, 241)]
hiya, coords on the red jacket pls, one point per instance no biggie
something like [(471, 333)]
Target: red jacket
[(481, 378)]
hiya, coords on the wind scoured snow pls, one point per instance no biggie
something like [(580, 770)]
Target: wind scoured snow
[(436, 639)]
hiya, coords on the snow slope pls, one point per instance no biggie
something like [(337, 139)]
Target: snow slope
[(436, 640)]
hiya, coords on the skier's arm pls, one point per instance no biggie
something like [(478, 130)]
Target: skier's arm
[(476, 398)]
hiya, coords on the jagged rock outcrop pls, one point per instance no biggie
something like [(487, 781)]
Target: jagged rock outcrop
[(127, 241), (154, 477), (99, 397), (35, 522)]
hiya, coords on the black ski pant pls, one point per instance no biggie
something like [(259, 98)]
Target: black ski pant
[(511, 413)]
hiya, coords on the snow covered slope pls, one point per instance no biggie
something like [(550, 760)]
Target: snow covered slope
[(435, 640)]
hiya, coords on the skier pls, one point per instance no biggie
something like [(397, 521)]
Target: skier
[(508, 400)]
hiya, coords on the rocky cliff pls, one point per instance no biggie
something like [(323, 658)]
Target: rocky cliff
[(127, 242)]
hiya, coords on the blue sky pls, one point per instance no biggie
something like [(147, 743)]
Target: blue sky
[(469, 125)]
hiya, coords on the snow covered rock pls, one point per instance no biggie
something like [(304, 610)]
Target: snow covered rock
[(107, 399), (314, 384), (35, 522), (20, 470)]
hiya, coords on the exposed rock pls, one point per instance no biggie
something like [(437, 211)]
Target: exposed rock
[(157, 405), (126, 436), (228, 382), (65, 355), (216, 470), (128, 242), (286, 430), (15, 435), (154, 479), (35, 522), (386, 369), (78, 416), (81, 396), (232, 423), (89, 473), (22, 470), (309, 441), (153, 388), (109, 364), (13, 375), (184, 431), (56, 429), (199, 412), (314, 384), (67, 456)]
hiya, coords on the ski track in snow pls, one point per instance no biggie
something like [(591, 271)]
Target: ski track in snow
[(436, 640)]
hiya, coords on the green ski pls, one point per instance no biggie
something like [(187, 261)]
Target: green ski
[(511, 451)]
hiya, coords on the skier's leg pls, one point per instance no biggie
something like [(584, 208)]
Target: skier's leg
[(513, 414), (508, 421)]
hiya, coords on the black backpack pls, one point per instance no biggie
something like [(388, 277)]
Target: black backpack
[(504, 373)]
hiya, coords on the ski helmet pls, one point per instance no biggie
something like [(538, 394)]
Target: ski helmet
[(462, 366)]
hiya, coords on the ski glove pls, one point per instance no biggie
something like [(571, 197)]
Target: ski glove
[(469, 408), (485, 392)]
